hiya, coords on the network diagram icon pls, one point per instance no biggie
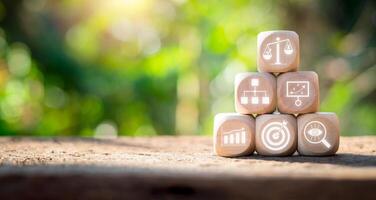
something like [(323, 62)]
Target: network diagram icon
[(297, 89), (255, 94), (287, 50)]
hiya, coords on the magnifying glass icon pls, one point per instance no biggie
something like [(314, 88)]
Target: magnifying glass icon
[(315, 133)]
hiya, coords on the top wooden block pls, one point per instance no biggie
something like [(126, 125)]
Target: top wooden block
[(277, 51)]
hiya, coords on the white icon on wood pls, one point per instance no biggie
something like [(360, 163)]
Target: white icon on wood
[(315, 133), (287, 50), (297, 89), (255, 94), (275, 136), (235, 137)]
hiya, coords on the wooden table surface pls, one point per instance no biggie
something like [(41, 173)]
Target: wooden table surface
[(178, 167)]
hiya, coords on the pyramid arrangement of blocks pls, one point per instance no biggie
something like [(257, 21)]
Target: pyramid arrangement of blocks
[(277, 107)]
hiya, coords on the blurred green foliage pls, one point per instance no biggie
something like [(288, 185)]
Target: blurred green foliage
[(146, 67)]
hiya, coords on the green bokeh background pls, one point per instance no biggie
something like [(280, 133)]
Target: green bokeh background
[(147, 67)]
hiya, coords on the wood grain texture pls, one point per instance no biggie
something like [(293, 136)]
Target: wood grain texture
[(178, 167)]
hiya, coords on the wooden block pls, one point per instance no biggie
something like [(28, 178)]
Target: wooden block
[(318, 134), (298, 92), (255, 93), (277, 51), (276, 135), (234, 134)]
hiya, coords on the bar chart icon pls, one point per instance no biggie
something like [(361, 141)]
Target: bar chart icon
[(235, 137)]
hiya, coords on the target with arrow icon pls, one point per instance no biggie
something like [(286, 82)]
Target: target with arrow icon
[(276, 136)]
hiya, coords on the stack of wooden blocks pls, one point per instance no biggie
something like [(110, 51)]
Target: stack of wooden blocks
[(277, 108)]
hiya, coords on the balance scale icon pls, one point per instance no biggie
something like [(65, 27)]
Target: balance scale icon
[(287, 50)]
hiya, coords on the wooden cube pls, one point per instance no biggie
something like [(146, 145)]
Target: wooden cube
[(234, 134), (277, 51), (255, 93), (298, 92), (318, 134), (276, 135)]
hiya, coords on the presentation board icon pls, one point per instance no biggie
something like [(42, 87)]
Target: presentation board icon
[(236, 137), (315, 133), (276, 136), (298, 92), (256, 96), (297, 89)]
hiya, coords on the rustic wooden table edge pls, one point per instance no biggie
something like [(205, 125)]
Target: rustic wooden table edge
[(177, 167)]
